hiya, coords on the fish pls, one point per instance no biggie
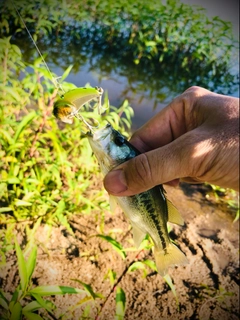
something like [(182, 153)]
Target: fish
[(149, 211)]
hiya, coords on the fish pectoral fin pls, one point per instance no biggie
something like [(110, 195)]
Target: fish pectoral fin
[(113, 203), (174, 215), (171, 256), (138, 236)]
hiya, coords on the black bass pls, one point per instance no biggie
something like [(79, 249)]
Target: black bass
[(148, 211)]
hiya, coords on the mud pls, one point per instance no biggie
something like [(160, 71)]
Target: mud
[(207, 288)]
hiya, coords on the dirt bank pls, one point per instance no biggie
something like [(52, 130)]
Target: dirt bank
[(207, 288)]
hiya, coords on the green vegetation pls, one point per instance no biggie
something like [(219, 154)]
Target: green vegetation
[(25, 300), (161, 48), (46, 171), (47, 168)]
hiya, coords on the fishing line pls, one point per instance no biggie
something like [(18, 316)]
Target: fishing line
[(54, 80)]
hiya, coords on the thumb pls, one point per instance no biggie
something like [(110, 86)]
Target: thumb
[(157, 166)]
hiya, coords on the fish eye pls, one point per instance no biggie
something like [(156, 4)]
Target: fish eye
[(119, 140)]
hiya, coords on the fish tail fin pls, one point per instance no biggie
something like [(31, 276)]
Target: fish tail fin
[(171, 256)]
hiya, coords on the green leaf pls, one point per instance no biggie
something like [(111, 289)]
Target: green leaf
[(22, 203), (2, 295), (26, 120), (89, 289), (80, 303), (16, 295), (53, 290), (7, 136), (168, 279), (136, 266), (116, 245), (120, 304), (151, 264), (16, 313), (237, 216), (112, 276), (13, 180), (47, 305), (3, 303), (32, 316), (6, 209), (21, 267), (32, 306), (66, 73), (150, 43), (13, 93), (31, 262), (59, 213)]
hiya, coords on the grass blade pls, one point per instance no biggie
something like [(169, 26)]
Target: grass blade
[(66, 73), (168, 279), (53, 290), (32, 306), (31, 262), (16, 312), (26, 120), (3, 303), (89, 289), (32, 316), (21, 267), (237, 216), (7, 136), (115, 244), (120, 304), (47, 305)]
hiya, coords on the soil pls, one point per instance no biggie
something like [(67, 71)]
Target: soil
[(207, 288)]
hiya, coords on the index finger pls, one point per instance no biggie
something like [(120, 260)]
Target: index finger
[(163, 128)]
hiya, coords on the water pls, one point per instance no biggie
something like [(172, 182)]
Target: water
[(119, 86), (146, 93), (227, 10)]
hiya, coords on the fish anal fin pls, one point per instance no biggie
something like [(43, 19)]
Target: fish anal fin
[(170, 257), (113, 203), (173, 214), (138, 236)]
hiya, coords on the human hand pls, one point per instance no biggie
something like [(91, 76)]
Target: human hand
[(195, 139)]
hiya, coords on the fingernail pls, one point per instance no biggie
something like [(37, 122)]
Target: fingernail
[(115, 181)]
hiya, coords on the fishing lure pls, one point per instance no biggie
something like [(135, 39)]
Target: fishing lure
[(68, 106)]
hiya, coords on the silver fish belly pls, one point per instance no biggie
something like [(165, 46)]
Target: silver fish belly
[(148, 211)]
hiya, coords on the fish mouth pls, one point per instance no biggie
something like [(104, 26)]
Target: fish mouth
[(101, 134)]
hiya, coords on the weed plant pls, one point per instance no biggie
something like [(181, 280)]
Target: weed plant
[(171, 37), (47, 174), (45, 170)]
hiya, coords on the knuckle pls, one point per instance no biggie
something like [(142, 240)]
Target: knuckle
[(191, 94), (194, 90), (143, 170)]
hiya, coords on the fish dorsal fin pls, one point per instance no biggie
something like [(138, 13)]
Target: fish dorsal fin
[(138, 236), (173, 214), (113, 203)]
